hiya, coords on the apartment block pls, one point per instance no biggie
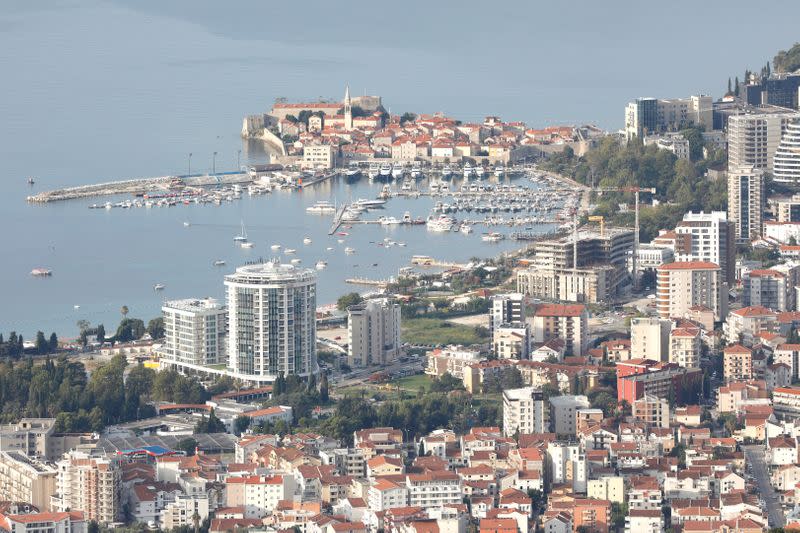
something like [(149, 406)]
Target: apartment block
[(707, 237), (194, 331), (685, 346), (746, 202), (683, 285), (512, 340), (651, 410), (563, 411), (650, 338), (569, 323), (25, 479), (373, 333), (738, 363), (89, 484), (524, 411)]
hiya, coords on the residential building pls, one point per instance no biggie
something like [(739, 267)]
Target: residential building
[(639, 377), (738, 363), (746, 202), (258, 495), (685, 347), (746, 324), (650, 338), (25, 479), (786, 162), (569, 323), (769, 288), (319, 156), (789, 354), (89, 484), (182, 511), (595, 515), (788, 209), (651, 410), (707, 237), (512, 340), (506, 308), (434, 489), (563, 411), (611, 488), (31, 436), (786, 402), (645, 116), (671, 142), (194, 331), (42, 522), (524, 411), (373, 333), (271, 321), (644, 521), (683, 285), (385, 494), (566, 464), (451, 360), (592, 284), (754, 138)]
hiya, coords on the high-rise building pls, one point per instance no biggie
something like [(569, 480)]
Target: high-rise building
[(562, 412), (25, 479), (373, 333), (271, 321), (650, 115), (753, 138), (681, 286), (569, 323), (506, 308), (786, 164), (194, 331), (650, 338), (773, 288), (524, 410), (746, 202), (685, 347), (89, 484), (707, 237)]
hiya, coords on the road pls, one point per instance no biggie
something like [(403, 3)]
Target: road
[(755, 456)]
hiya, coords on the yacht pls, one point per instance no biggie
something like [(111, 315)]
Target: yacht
[(406, 187), (275, 247), (434, 187), (373, 171), (467, 171), (321, 207), (242, 237), (352, 171), (307, 241), (321, 265), (290, 251), (479, 171), (401, 244), (447, 173), (158, 287), (41, 272), (499, 171), (296, 261), (441, 223), (465, 228), (397, 171), (219, 263), (340, 241), (416, 171), (349, 251), (369, 204), (186, 224), (385, 170), (407, 218), (493, 237), (388, 221), (329, 248), (247, 245)]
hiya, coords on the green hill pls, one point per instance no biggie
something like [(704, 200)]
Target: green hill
[(787, 61)]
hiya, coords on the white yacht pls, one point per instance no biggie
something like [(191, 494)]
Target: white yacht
[(329, 248), (369, 204), (275, 247), (465, 228), (397, 171), (493, 237), (373, 171), (499, 171), (296, 261), (158, 287), (441, 223), (247, 245), (352, 171), (416, 171), (290, 251), (307, 241), (219, 263), (242, 237), (447, 172), (479, 171), (321, 265), (467, 171), (349, 251), (385, 170), (388, 221), (321, 207), (406, 187)]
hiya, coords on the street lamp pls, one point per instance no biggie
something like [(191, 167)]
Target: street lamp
[(190, 163), (214, 164)]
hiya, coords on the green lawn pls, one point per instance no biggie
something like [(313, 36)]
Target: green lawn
[(413, 383), (437, 331)]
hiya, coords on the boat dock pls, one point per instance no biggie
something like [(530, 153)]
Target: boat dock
[(337, 219), (382, 283)]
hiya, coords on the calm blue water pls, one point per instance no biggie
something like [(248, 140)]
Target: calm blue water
[(96, 90)]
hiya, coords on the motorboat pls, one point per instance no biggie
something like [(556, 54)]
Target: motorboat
[(290, 251), (352, 171), (247, 245), (499, 171), (329, 249), (340, 241), (416, 171), (306, 241), (493, 237), (447, 172), (41, 272), (186, 224), (442, 223), (369, 204), (158, 287), (219, 263), (397, 171), (388, 221), (296, 261), (373, 171), (349, 251), (465, 228), (480, 171), (385, 170), (467, 171), (275, 247), (321, 207), (320, 265)]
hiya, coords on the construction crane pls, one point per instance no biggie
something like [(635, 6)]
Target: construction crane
[(636, 190), (602, 220)]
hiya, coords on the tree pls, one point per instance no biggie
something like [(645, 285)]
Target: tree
[(53, 343), (511, 378), (618, 513), (100, 333), (347, 300), (124, 311), (42, 346), (83, 325), (407, 117), (211, 424), (240, 424), (188, 445), (730, 90), (323, 388), (155, 328)]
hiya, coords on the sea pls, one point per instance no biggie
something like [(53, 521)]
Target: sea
[(99, 90)]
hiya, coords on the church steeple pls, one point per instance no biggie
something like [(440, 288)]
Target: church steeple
[(348, 110)]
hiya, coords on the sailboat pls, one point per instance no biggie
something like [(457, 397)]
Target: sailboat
[(242, 237)]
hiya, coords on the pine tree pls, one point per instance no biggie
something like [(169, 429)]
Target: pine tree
[(736, 88), (41, 343), (730, 89), (323, 388), (53, 342)]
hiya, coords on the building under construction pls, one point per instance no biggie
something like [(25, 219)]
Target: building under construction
[(587, 266)]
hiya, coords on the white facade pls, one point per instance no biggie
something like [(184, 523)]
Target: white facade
[(89, 484), (684, 347), (786, 163), (710, 238), (650, 338), (512, 341), (272, 321), (434, 489), (681, 286), (753, 138), (194, 331), (524, 410), (746, 202), (373, 333), (562, 412), (506, 308), (181, 512), (567, 464), (675, 143)]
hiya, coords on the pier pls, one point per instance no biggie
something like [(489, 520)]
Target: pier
[(337, 219), (382, 283)]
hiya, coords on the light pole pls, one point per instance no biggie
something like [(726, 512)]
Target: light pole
[(190, 163), (239, 160), (214, 164)]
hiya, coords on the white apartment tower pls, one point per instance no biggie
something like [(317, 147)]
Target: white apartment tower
[(682, 286), (194, 331), (786, 163), (524, 410), (373, 333), (753, 138), (746, 202), (707, 237), (506, 308), (89, 484), (271, 321)]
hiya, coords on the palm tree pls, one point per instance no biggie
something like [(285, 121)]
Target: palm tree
[(124, 311)]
